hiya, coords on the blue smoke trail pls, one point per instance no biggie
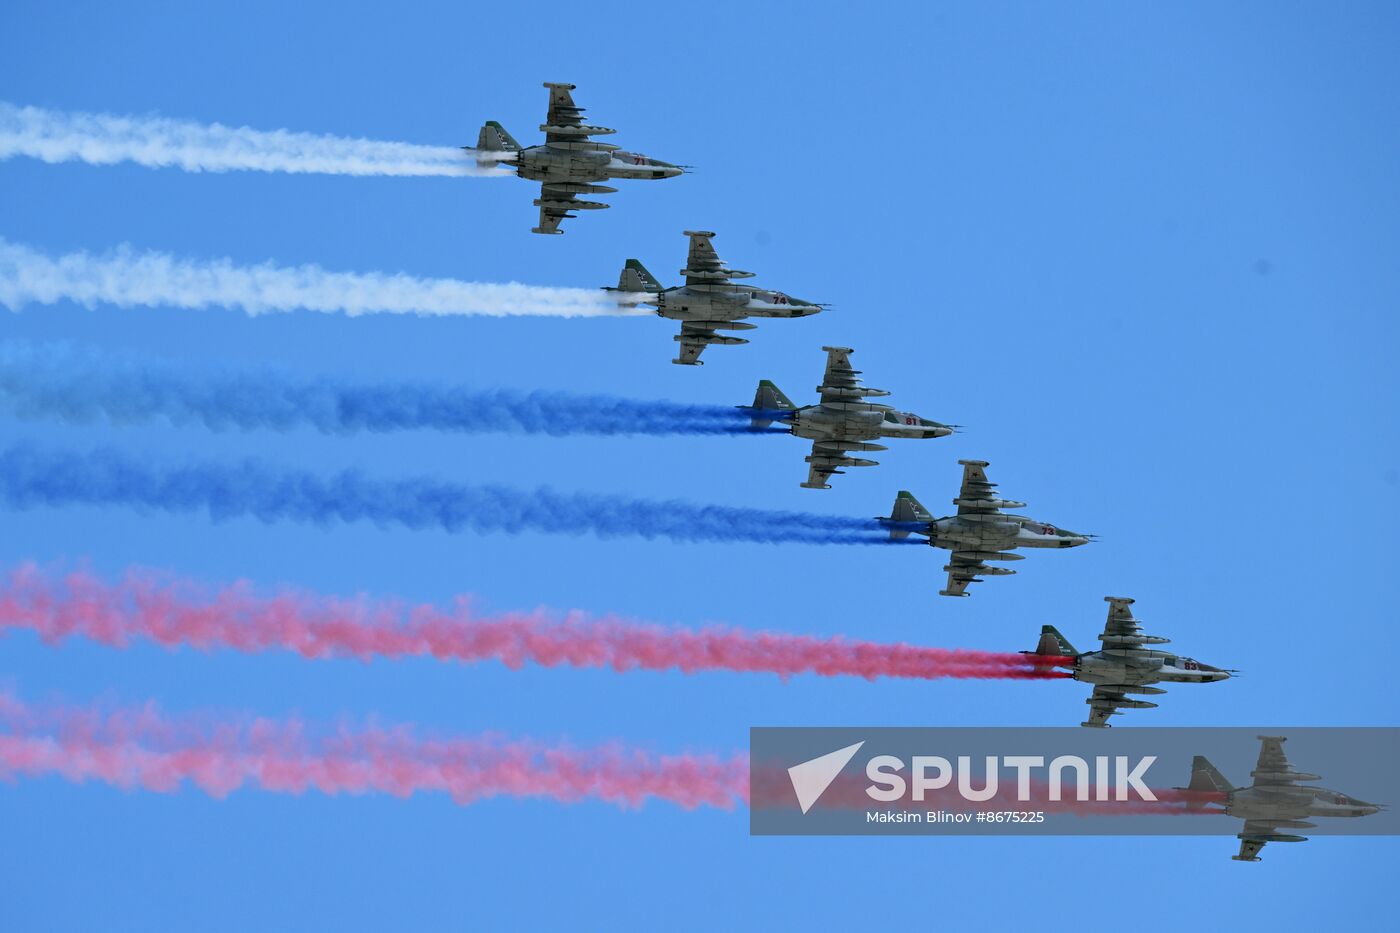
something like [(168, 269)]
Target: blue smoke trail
[(30, 477), (85, 387)]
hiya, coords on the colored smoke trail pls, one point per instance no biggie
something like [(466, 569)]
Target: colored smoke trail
[(88, 386), (126, 278), (30, 478), (141, 747), (160, 142), (174, 612)]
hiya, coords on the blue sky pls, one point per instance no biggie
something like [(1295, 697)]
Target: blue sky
[(1144, 254)]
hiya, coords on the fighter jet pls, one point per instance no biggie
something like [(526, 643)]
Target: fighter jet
[(979, 532), (842, 422), (1277, 800), (709, 300), (569, 163), (1123, 666)]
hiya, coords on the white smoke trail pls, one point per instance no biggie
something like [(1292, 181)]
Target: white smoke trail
[(158, 142), (126, 278)]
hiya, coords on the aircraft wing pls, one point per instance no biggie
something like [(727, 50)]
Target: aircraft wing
[(693, 341), (843, 398), (554, 206), (695, 336), (962, 570), (1271, 756), (702, 256), (564, 122), (1120, 617), (703, 265), (819, 471), (1122, 632), (976, 486), (562, 109), (1106, 701), (827, 458), (1258, 833), (557, 201), (1251, 841), (839, 375), (1273, 769)]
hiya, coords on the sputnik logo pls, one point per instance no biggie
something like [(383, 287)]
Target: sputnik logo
[(811, 778)]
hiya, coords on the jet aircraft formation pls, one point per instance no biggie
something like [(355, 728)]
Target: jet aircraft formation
[(844, 423)]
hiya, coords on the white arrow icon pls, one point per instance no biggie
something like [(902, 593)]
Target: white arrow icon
[(811, 778)]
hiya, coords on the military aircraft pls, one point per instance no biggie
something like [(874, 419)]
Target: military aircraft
[(1276, 800), (569, 163), (979, 532), (842, 422), (1123, 666), (709, 300)]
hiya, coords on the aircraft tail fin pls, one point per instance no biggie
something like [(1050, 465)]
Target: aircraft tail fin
[(636, 278), (494, 138), (1206, 778), (1053, 643), (907, 509), (769, 399)]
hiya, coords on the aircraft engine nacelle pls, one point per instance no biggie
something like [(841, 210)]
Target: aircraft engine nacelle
[(1145, 664), (987, 532), (816, 415), (554, 159)]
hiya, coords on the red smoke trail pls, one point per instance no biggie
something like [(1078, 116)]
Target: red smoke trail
[(176, 612), (142, 748)]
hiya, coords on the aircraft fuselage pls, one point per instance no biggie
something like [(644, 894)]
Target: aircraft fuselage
[(726, 301), (1285, 803), (1143, 666), (998, 532), (856, 419), (554, 164)]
